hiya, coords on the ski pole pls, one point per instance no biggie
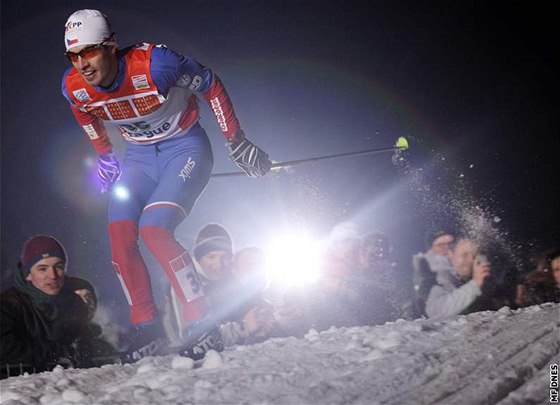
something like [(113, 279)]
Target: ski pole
[(400, 145)]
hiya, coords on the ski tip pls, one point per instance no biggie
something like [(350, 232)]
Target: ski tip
[(402, 143)]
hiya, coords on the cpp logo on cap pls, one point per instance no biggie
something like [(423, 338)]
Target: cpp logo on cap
[(73, 26)]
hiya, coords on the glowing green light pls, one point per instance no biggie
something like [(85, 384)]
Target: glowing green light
[(402, 143)]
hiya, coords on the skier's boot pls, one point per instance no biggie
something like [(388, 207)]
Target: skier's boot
[(146, 339), (199, 338)]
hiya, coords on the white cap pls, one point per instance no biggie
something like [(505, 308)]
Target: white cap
[(343, 231), (87, 27)]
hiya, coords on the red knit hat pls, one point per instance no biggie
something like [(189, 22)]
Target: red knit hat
[(40, 247)]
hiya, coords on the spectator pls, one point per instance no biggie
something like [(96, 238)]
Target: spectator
[(426, 265), (255, 319), (335, 299), (231, 299), (249, 267), (383, 296), (543, 284), (213, 251), (461, 289), (46, 316), (343, 252), (376, 248)]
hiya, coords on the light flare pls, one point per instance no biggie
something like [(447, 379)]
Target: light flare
[(293, 259)]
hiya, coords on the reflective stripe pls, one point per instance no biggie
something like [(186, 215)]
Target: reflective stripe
[(163, 203)]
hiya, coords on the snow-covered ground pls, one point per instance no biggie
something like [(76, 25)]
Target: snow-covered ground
[(499, 357)]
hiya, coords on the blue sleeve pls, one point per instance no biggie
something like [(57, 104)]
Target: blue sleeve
[(63, 87), (171, 69)]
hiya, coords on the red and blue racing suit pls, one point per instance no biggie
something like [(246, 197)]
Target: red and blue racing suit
[(167, 164)]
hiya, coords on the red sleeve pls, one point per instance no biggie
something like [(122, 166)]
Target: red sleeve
[(95, 131), (220, 103)]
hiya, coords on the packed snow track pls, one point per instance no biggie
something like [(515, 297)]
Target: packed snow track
[(502, 357)]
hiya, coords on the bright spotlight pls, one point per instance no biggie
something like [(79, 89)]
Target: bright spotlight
[(121, 192), (293, 260)]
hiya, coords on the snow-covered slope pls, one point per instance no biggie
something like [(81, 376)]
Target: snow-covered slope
[(484, 358)]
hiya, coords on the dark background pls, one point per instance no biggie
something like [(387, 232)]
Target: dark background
[(473, 85)]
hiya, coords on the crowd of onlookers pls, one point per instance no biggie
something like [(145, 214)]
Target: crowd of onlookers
[(47, 316)]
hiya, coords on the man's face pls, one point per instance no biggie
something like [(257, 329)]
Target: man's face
[(442, 245), (555, 267), (215, 264), (48, 275), (463, 257), (100, 67)]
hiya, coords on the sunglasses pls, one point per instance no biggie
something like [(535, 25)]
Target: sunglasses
[(88, 52)]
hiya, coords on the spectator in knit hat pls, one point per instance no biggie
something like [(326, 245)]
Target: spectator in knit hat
[(213, 251), (229, 298), (46, 316)]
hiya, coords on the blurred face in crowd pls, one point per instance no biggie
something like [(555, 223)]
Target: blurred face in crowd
[(348, 250), (215, 264), (249, 267), (97, 64), (48, 275), (442, 245), (555, 267), (463, 257), (374, 251)]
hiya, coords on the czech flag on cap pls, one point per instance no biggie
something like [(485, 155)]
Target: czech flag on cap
[(71, 42)]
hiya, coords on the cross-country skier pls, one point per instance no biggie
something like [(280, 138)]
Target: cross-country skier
[(149, 91)]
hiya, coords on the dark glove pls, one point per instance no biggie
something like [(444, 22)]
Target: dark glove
[(79, 354), (108, 171), (66, 357), (249, 157)]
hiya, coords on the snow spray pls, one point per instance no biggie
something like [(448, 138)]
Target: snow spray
[(445, 195)]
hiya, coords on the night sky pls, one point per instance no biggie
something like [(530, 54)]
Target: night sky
[(473, 85)]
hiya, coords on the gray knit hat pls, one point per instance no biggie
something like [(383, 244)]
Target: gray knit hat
[(212, 237)]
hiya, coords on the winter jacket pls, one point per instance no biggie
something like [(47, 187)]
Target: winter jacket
[(39, 331), (451, 295), (425, 268), (541, 288), (383, 295)]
